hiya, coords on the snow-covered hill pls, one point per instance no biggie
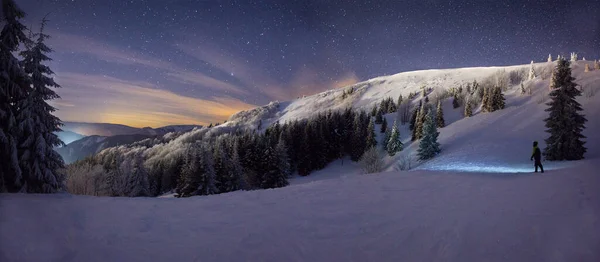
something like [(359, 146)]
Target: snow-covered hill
[(472, 202)]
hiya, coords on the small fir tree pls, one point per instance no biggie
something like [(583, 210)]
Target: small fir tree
[(379, 116), (455, 103), (399, 101), (439, 116), (486, 102), (374, 111), (429, 146), (371, 141), (386, 138), (498, 101), (532, 74), (384, 125), (565, 123), (394, 143)]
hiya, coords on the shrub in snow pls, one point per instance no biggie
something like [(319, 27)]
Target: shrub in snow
[(565, 123), (371, 161), (429, 146), (404, 163)]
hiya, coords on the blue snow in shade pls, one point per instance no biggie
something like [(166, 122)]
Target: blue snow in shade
[(478, 167)]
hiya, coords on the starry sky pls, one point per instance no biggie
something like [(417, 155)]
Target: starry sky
[(162, 62)]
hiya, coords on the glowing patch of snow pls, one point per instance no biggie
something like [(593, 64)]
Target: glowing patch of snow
[(490, 167)]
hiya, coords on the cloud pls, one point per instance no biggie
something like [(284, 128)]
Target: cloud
[(206, 81), (94, 98), (242, 70), (77, 44), (306, 81)]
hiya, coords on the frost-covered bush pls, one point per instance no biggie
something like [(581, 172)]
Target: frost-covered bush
[(85, 178), (371, 161)]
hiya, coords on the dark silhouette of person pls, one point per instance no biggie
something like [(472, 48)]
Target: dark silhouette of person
[(537, 155)]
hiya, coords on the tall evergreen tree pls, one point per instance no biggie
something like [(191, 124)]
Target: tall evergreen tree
[(379, 116), (486, 102), (413, 117), (565, 123), (14, 85), (207, 173), (371, 141), (236, 172), (399, 101), (384, 125), (455, 103), (386, 138), (137, 181), (439, 116), (497, 101), (278, 168), (468, 109), (374, 111), (189, 180), (429, 146), (418, 133), (394, 143), (37, 158)]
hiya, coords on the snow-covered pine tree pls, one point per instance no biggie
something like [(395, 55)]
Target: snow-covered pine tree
[(384, 125), (371, 141), (455, 103), (532, 74), (498, 101), (386, 138), (137, 181), (207, 184), (399, 101), (429, 146), (379, 116), (468, 109), (394, 143), (486, 102), (189, 179), (374, 111), (14, 85), (549, 58), (221, 166), (278, 167), (236, 171), (439, 116), (413, 117), (37, 158), (420, 121), (573, 57), (565, 123)]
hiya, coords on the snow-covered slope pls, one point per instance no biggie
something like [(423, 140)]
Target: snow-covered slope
[(396, 216), (436, 212)]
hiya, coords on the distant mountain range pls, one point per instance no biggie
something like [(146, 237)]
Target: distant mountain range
[(105, 129), (85, 139)]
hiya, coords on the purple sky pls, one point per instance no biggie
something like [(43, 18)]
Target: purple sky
[(154, 63)]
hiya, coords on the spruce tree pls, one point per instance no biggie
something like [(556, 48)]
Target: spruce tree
[(207, 173), (413, 117), (455, 103), (439, 116), (236, 172), (374, 111), (189, 180), (399, 101), (499, 100), (137, 181), (386, 138), (486, 102), (379, 116), (384, 125), (429, 146), (468, 109), (532, 74), (278, 168), (418, 134), (14, 86), (371, 141), (394, 143), (37, 158), (565, 123)]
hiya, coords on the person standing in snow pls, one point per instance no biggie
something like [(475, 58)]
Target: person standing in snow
[(537, 154)]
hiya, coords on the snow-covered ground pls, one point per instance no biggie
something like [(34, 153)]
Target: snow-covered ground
[(394, 216), (476, 201)]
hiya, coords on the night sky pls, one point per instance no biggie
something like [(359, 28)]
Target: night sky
[(161, 62)]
